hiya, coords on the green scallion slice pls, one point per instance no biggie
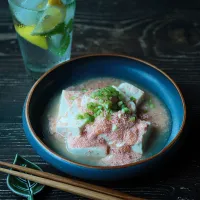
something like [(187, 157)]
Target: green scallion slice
[(133, 99), (84, 90), (72, 98), (125, 110), (114, 127), (151, 104), (133, 119)]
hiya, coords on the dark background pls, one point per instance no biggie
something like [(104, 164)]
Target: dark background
[(165, 33)]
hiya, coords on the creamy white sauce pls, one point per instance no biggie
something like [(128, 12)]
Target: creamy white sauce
[(159, 116)]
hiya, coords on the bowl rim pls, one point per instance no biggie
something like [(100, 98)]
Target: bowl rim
[(57, 156)]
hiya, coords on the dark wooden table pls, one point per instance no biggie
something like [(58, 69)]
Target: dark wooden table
[(165, 33)]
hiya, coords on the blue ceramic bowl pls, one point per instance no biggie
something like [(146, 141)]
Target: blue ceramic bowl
[(122, 67)]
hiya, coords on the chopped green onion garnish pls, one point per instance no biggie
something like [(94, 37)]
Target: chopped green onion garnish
[(100, 107), (91, 106), (99, 112), (119, 115), (120, 103), (89, 118), (108, 104), (133, 99), (123, 106), (133, 119), (95, 110), (109, 100), (95, 115), (110, 112), (72, 98), (125, 110), (105, 93), (151, 104), (120, 97), (108, 116), (84, 90), (101, 101), (80, 117), (114, 127)]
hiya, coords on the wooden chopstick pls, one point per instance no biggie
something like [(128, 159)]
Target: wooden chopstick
[(66, 184), (62, 186)]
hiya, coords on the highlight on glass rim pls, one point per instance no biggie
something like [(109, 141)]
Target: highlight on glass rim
[(44, 30)]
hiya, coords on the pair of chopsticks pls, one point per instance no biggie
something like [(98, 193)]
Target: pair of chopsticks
[(66, 184)]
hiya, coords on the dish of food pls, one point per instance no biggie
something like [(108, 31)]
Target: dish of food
[(106, 122), (161, 95)]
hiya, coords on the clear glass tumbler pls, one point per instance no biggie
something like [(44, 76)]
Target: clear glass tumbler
[(44, 31)]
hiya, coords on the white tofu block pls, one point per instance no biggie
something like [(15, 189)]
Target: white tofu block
[(61, 128), (131, 105), (116, 88), (85, 100), (73, 111), (141, 144), (67, 100), (132, 91), (71, 125), (106, 160), (75, 129), (99, 151), (120, 144), (76, 126), (104, 136), (110, 142), (64, 105), (67, 115)]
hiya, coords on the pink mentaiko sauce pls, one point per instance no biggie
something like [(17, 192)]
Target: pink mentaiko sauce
[(124, 133)]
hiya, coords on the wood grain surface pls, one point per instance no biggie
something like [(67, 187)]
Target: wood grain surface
[(165, 33)]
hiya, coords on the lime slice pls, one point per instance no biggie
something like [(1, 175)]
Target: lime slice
[(54, 2), (69, 26), (51, 17), (55, 41), (60, 29), (25, 32)]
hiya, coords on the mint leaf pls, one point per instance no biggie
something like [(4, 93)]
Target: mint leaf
[(69, 26)]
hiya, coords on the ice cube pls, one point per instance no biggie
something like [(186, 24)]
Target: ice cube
[(34, 4), (24, 16), (70, 12), (55, 40)]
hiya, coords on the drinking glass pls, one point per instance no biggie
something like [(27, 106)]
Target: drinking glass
[(44, 30)]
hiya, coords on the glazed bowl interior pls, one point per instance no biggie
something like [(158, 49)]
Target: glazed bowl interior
[(88, 67)]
